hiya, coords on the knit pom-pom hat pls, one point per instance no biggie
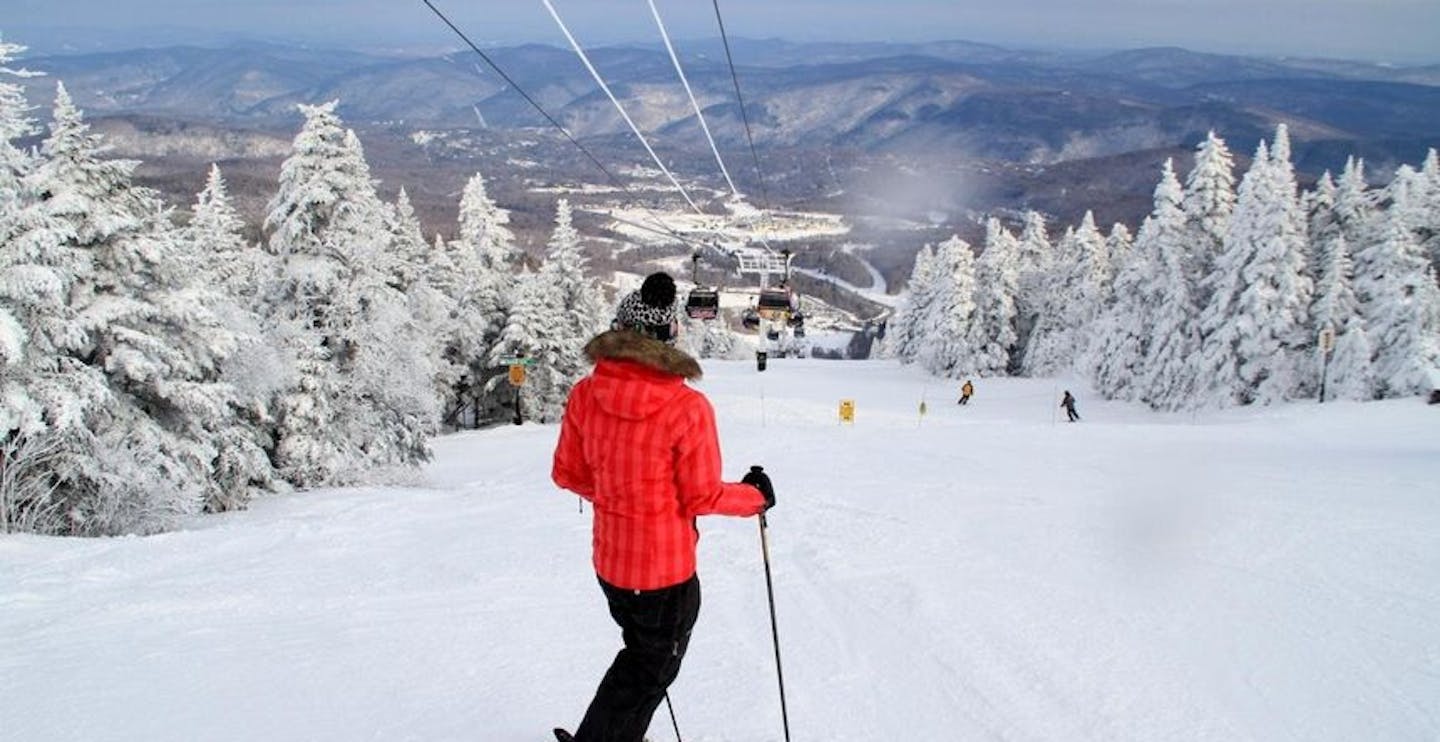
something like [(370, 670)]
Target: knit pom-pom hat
[(651, 310)]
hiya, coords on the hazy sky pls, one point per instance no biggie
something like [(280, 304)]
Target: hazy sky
[(1382, 30)]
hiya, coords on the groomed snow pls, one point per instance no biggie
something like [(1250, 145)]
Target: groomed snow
[(983, 573)]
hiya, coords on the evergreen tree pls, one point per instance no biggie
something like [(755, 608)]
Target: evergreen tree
[(950, 350), (231, 264), (582, 304), (708, 338), (1356, 216), (1348, 372), (902, 334), (1428, 220), (166, 418), (479, 279), (430, 309), (998, 281), (1118, 245), (217, 255), (560, 310), (1169, 381), (1403, 316), (1209, 203), (1035, 258), (1115, 360), (1256, 325), (1321, 226), (354, 403), (46, 393), (482, 226), (1073, 296), (531, 332)]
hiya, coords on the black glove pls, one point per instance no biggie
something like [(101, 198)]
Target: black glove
[(758, 479)]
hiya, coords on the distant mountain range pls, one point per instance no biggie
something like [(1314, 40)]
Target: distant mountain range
[(909, 142), (967, 99)]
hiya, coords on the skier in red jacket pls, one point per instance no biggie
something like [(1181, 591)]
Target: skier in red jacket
[(641, 445)]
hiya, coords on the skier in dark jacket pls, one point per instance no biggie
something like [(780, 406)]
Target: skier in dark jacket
[(641, 445), (1069, 404)]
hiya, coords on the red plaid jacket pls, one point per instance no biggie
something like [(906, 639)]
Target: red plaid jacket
[(641, 445)]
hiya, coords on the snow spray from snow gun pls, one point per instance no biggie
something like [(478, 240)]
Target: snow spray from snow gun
[(774, 629)]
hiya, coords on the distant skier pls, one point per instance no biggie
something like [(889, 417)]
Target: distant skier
[(641, 445), (1068, 402), (965, 392)]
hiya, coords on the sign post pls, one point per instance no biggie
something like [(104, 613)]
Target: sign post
[(516, 377), (847, 411), (1326, 341)]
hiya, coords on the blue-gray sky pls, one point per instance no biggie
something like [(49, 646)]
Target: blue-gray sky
[(1380, 30)]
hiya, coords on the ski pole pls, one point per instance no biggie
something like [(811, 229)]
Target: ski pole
[(673, 723), (774, 630)]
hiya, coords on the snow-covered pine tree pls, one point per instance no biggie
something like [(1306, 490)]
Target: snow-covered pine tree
[(1217, 367), (950, 350), (232, 265), (1428, 220), (219, 256), (902, 337), (1122, 333), (430, 308), (1115, 360), (582, 303), (482, 226), (1036, 256), (385, 346), (480, 280), (707, 338), (1286, 310), (1209, 203), (1118, 245), (154, 335), (1321, 227), (46, 394), (1356, 214), (560, 310), (529, 332), (1347, 374), (1169, 381), (1403, 314), (355, 403), (997, 283), (1075, 294), (1256, 325)]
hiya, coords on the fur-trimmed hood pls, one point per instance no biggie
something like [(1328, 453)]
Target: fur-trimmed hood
[(624, 345)]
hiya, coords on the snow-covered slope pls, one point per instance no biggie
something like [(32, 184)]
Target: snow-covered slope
[(980, 573)]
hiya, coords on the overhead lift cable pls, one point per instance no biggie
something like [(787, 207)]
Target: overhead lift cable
[(745, 117), (553, 122), (601, 82), (674, 58)]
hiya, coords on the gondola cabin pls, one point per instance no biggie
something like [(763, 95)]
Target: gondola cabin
[(703, 304), (775, 304)]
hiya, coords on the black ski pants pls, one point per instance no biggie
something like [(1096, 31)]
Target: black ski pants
[(655, 625)]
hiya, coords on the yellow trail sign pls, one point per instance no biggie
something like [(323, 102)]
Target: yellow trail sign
[(847, 411)]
